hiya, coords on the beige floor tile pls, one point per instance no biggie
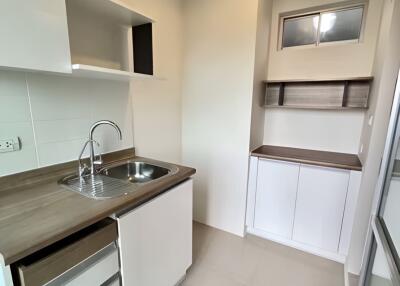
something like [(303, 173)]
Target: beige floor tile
[(229, 255), (210, 277), (201, 239), (220, 258)]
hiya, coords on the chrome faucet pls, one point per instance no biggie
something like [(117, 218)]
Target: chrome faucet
[(83, 168), (93, 162)]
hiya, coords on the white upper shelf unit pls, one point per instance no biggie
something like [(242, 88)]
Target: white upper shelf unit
[(101, 41), (88, 38), (105, 73), (114, 10)]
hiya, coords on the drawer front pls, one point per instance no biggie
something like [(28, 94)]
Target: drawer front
[(49, 263), (94, 271)]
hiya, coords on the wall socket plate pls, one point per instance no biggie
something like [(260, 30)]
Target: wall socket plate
[(370, 120), (10, 145)]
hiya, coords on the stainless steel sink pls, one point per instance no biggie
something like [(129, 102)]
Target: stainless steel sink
[(97, 186), (136, 172), (116, 180)]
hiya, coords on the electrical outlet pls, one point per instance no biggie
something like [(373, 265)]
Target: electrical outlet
[(10, 145), (370, 120)]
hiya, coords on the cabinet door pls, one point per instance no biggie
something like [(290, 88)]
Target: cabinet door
[(276, 197), (34, 35), (156, 239), (320, 205)]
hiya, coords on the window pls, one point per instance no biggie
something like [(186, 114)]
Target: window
[(300, 31), (323, 27)]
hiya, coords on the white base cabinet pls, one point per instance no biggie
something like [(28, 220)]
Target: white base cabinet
[(5, 273), (155, 239), (321, 198), (303, 206), (276, 197)]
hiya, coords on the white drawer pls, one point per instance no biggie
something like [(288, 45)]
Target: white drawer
[(96, 272)]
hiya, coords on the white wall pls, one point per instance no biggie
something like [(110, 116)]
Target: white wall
[(336, 131), (387, 63), (219, 60), (260, 69), (52, 116), (157, 103), (329, 61)]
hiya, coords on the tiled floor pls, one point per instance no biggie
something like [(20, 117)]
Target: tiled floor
[(222, 259)]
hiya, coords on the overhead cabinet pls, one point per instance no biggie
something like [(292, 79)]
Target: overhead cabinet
[(298, 203), (101, 39), (34, 35), (88, 38)]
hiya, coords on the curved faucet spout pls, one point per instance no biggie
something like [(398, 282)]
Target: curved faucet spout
[(104, 122), (94, 126)]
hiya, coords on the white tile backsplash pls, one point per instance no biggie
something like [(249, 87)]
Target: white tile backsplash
[(14, 109), (109, 102), (18, 129), (59, 97), (15, 121), (56, 152), (19, 161), (48, 131), (12, 84), (63, 109), (22, 160)]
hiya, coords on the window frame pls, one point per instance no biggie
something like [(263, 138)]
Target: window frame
[(319, 12)]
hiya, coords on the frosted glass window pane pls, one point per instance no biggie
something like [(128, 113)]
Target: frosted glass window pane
[(300, 31), (341, 25), (380, 275), (390, 211)]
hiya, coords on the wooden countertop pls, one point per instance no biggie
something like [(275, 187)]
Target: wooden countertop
[(313, 157), (35, 211)]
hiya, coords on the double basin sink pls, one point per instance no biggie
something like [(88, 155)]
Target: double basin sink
[(117, 179)]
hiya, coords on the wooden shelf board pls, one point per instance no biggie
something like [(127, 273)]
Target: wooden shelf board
[(316, 107), (368, 78), (114, 10), (312, 157), (87, 71)]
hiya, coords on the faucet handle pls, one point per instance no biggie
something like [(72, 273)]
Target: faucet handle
[(99, 160), (83, 169)]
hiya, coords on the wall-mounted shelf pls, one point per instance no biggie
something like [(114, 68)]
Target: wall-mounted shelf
[(363, 78), (113, 10), (101, 36), (336, 94), (88, 71)]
